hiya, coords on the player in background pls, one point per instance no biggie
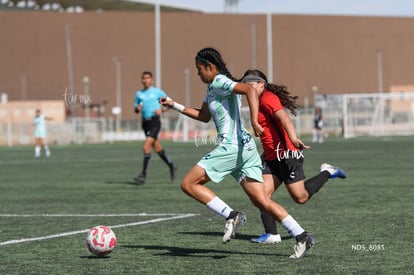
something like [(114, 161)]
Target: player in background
[(235, 153), (39, 123), (147, 103), (283, 150), (317, 131)]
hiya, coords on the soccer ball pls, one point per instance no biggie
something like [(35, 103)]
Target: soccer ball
[(101, 240)]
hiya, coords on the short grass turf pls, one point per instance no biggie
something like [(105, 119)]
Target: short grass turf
[(363, 224)]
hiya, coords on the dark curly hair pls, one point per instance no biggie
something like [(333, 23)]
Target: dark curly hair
[(212, 56), (281, 91)]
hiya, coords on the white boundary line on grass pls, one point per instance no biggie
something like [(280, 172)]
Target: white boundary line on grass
[(180, 216), (89, 215)]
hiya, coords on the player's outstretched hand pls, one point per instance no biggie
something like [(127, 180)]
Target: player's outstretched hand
[(299, 144)]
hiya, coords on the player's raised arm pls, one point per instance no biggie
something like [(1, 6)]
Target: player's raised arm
[(202, 114)]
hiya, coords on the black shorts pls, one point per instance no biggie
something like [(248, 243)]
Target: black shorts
[(317, 124), (151, 126), (287, 170)]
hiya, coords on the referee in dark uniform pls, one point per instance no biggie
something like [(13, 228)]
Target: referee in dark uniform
[(147, 103)]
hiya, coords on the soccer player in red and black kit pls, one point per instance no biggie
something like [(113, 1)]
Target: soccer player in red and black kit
[(283, 150)]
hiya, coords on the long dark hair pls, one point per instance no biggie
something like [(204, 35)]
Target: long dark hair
[(212, 56), (281, 91)]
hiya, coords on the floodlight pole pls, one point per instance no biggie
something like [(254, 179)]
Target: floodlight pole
[(70, 64), (269, 43), (85, 81), (157, 45), (118, 91), (379, 72), (24, 87), (187, 103), (380, 89), (254, 43)]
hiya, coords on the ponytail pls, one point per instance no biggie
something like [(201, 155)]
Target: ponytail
[(281, 91)]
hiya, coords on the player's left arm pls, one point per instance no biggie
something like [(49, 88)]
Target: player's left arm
[(287, 123), (253, 102), (226, 84), (201, 114)]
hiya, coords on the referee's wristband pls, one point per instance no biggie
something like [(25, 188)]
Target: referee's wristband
[(178, 107)]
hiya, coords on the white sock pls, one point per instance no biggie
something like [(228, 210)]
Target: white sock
[(37, 151), (219, 207), (314, 135), (47, 151), (291, 226)]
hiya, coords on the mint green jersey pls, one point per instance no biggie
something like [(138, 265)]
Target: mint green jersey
[(224, 107)]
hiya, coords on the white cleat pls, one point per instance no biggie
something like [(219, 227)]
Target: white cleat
[(302, 247), (232, 225)]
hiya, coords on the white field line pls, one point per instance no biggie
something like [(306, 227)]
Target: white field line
[(90, 215), (180, 216)]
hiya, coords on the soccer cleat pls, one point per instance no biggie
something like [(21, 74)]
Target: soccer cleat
[(232, 225), (140, 178), (267, 238), (173, 170), (335, 172), (302, 247)]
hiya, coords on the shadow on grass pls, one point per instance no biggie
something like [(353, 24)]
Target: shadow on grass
[(194, 252), (94, 257), (238, 235), (130, 182)]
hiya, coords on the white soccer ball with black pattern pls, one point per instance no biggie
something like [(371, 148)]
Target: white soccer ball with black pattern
[(101, 240)]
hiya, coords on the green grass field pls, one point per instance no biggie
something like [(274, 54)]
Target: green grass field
[(363, 224)]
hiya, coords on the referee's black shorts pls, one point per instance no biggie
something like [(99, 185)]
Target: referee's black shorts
[(151, 126)]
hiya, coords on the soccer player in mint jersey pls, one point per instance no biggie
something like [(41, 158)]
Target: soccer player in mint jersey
[(147, 103), (235, 153), (39, 123), (283, 151)]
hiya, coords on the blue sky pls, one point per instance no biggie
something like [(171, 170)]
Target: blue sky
[(393, 8)]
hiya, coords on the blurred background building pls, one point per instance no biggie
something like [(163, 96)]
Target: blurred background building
[(89, 55)]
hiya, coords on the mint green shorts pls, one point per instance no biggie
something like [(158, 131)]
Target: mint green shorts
[(40, 133), (240, 162)]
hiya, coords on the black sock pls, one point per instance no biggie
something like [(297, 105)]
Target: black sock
[(147, 158), (301, 236), (232, 215), (165, 158), (269, 222), (313, 185)]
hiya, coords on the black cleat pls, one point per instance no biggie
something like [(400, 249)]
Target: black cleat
[(173, 170), (140, 178)]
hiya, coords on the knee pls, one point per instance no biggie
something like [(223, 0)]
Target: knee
[(186, 186), (157, 147), (262, 203), (146, 148), (302, 199), (258, 204)]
